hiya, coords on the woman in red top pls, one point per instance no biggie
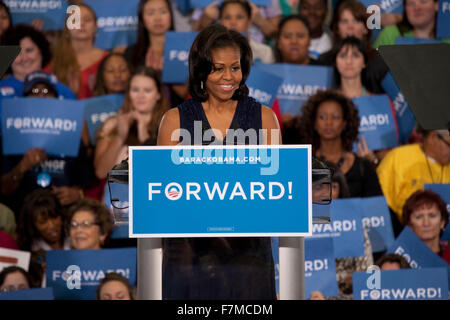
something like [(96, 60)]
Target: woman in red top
[(426, 214), (75, 58)]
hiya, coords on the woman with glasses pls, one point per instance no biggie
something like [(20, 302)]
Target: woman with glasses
[(90, 224)]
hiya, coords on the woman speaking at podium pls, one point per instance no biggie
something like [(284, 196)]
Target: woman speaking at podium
[(218, 268)]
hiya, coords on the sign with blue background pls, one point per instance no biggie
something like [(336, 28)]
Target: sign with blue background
[(377, 220), (116, 22), (377, 123), (320, 267), (220, 191), (176, 56), (403, 284), (416, 252), (52, 124), (345, 228), (299, 83), (413, 40), (98, 109), (405, 118), (263, 86), (387, 6), (62, 273), (443, 20), (442, 190), (28, 294), (51, 12)]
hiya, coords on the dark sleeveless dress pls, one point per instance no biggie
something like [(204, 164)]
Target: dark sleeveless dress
[(218, 268)]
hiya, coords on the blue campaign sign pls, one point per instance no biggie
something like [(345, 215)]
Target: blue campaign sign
[(387, 6), (51, 12), (377, 123), (413, 40), (403, 284), (28, 294), (321, 212), (116, 22), (443, 20), (444, 191), (176, 56), (76, 274), (377, 220), (320, 267), (415, 251), (52, 124), (98, 109), (299, 83), (406, 120), (207, 191), (205, 3), (263, 86), (345, 228)]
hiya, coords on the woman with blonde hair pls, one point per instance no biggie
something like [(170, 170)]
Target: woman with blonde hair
[(136, 123), (75, 58)]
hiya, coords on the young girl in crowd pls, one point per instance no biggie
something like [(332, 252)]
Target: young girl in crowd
[(76, 59), (113, 75), (136, 124), (236, 15), (155, 18)]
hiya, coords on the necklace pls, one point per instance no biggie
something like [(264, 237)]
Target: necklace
[(340, 161)]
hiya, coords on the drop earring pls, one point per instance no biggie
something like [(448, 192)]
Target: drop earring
[(201, 85)]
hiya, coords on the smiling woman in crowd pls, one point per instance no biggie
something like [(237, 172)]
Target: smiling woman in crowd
[(90, 224)]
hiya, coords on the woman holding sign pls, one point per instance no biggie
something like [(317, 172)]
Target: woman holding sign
[(219, 63)]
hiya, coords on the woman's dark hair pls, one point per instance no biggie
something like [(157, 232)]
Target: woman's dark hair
[(38, 202), (8, 13), (114, 276), (143, 40), (339, 177), (102, 215), (12, 269), (15, 34), (393, 258), (404, 25), (277, 52), (100, 87), (427, 198), (358, 10), (350, 42), (200, 61), (306, 123), (243, 3)]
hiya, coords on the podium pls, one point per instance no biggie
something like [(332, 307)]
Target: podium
[(169, 180)]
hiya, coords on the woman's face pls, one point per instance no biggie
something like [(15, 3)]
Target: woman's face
[(4, 21), (116, 74), (14, 281), (143, 93), (421, 13), (315, 11), (293, 42), (85, 233), (28, 60), (235, 17), (350, 62), (335, 189), (426, 222), (88, 26), (226, 73), (49, 228), (156, 16), (114, 290), (349, 26), (329, 121)]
